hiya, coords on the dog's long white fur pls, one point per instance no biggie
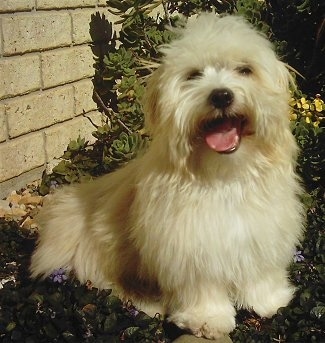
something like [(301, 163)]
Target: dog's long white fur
[(184, 230)]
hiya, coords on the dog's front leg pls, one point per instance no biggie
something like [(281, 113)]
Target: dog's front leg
[(266, 294), (205, 310)]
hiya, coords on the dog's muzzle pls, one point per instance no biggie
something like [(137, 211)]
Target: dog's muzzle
[(223, 134)]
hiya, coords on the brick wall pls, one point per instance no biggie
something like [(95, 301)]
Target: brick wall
[(46, 66)]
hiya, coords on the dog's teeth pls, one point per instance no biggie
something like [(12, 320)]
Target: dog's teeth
[(233, 148)]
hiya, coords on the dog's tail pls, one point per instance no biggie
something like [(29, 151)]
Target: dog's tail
[(60, 226)]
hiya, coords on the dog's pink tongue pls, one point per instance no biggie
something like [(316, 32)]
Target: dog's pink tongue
[(224, 136)]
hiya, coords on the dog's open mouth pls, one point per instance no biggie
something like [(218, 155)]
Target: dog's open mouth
[(224, 134)]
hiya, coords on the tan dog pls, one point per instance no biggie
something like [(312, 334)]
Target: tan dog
[(208, 218)]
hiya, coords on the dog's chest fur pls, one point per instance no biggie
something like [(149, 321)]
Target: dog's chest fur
[(219, 229)]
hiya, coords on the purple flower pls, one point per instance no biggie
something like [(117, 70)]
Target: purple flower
[(134, 312), (131, 309), (298, 257), (54, 184), (58, 275), (298, 277)]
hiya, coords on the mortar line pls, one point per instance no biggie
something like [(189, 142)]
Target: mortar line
[(2, 39)]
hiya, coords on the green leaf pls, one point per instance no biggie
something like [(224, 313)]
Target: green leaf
[(62, 168), (110, 323), (131, 331), (10, 326), (318, 312)]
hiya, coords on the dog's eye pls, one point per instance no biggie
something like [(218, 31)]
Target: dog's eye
[(195, 74), (245, 71)]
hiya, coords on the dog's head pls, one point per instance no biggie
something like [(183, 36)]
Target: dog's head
[(220, 89)]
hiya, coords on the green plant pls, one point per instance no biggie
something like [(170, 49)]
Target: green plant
[(308, 127), (188, 8)]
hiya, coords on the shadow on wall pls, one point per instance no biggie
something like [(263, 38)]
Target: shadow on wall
[(104, 41)]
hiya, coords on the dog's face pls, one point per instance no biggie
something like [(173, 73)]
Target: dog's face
[(220, 87)]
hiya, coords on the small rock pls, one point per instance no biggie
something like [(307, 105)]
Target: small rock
[(17, 212), (33, 211), (22, 206), (26, 193), (34, 185), (27, 223), (31, 200), (30, 207), (7, 279), (4, 205), (14, 198)]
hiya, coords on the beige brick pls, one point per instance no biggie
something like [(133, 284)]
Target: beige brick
[(86, 19), (46, 4), (21, 155), (16, 5), (67, 65), (83, 96), (1, 50), (86, 128), (3, 126), (35, 31), (96, 118), (102, 3), (21, 181), (158, 10), (19, 75), (80, 24), (59, 136), (36, 111)]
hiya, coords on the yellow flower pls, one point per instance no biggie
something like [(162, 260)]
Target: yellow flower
[(316, 123), (292, 102), (319, 105), (293, 116), (307, 120)]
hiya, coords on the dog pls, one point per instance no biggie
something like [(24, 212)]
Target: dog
[(207, 219)]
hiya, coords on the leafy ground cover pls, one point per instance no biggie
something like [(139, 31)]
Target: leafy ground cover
[(59, 309)]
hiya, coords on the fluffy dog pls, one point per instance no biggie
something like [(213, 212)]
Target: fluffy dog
[(209, 216)]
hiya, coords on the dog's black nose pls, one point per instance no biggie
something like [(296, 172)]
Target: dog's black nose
[(221, 98)]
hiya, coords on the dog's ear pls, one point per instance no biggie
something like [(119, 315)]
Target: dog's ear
[(284, 78), (151, 104)]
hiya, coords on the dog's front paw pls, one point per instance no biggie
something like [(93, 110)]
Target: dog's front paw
[(213, 329), (203, 325), (271, 302)]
